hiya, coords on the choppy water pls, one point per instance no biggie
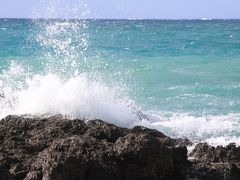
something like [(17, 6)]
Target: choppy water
[(180, 77)]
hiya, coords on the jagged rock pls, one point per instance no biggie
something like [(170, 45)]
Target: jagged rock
[(49, 148), (218, 163), (102, 130), (34, 148)]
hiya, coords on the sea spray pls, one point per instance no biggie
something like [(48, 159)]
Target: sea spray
[(125, 72), (69, 84)]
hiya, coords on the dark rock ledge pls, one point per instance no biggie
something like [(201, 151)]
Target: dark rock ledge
[(56, 148)]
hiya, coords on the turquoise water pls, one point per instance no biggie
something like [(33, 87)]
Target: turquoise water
[(181, 77)]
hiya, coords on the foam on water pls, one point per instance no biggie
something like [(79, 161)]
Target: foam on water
[(81, 97), (215, 129), (77, 97), (70, 84), (65, 86)]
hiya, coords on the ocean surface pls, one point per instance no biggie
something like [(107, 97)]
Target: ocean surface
[(181, 77)]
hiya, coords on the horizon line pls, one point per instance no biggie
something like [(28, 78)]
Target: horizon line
[(130, 19)]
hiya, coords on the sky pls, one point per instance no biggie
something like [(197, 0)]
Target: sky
[(121, 9)]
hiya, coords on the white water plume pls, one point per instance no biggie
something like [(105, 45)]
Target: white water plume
[(64, 87)]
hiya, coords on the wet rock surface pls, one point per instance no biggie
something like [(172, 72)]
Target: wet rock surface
[(56, 148)]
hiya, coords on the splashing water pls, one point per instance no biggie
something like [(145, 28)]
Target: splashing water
[(77, 97), (124, 72), (64, 86)]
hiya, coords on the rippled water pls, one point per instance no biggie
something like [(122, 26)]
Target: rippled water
[(180, 77)]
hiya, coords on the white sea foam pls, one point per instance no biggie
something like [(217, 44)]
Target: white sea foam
[(61, 88), (223, 140), (215, 129), (76, 97), (64, 87), (81, 97)]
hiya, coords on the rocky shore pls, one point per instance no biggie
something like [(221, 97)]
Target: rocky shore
[(56, 148)]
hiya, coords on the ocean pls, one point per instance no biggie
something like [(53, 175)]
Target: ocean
[(181, 77)]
